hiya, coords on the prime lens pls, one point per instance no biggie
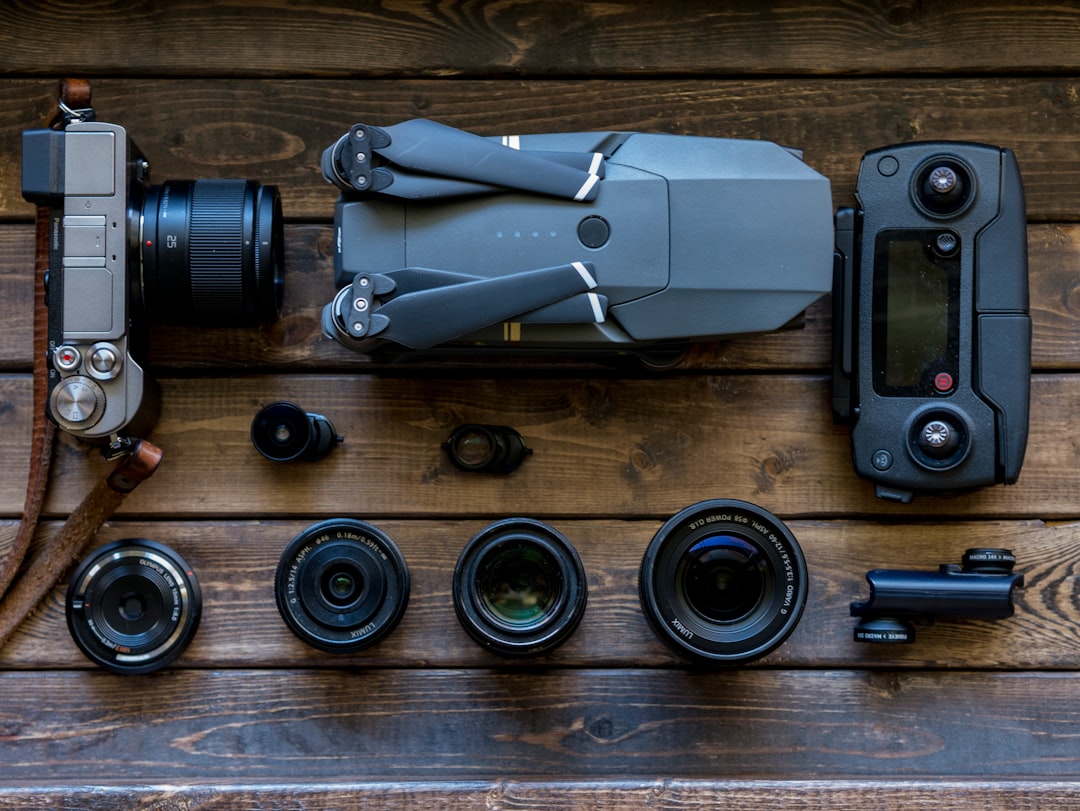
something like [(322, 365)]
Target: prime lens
[(342, 585), (723, 582), (133, 606), (212, 252), (519, 588)]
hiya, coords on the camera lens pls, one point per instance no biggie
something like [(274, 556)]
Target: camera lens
[(212, 252), (342, 585), (723, 582), (133, 606), (283, 432), (519, 588)]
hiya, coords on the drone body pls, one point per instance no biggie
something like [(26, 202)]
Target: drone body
[(658, 240)]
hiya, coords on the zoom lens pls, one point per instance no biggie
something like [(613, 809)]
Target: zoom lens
[(342, 585), (133, 606), (212, 252), (723, 582), (519, 588)]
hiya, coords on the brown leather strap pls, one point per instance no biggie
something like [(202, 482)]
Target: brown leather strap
[(100, 503), (44, 431)]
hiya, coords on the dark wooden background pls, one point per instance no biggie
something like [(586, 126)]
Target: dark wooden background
[(975, 715)]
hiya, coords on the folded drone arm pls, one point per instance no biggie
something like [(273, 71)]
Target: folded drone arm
[(378, 159), (420, 307)]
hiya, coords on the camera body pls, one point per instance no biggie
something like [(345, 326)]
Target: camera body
[(932, 336), (121, 252), (88, 174)]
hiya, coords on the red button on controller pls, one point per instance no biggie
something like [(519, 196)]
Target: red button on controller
[(943, 382)]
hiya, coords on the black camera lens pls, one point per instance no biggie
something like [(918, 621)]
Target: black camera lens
[(723, 582), (213, 252), (283, 432), (342, 585), (519, 588), (133, 606)]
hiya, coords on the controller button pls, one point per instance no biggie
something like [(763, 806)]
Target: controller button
[(943, 382), (594, 232), (882, 460), (943, 179), (888, 166)]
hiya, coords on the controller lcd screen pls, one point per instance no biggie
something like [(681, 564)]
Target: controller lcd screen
[(916, 315)]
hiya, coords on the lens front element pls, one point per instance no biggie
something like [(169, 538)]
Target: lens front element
[(519, 588), (723, 582), (342, 585), (133, 606)]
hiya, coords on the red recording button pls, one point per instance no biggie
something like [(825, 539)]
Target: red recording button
[(943, 382)]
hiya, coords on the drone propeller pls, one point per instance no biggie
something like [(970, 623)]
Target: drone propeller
[(366, 158), (432, 307)]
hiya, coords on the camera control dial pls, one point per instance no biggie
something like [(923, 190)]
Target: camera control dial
[(77, 403)]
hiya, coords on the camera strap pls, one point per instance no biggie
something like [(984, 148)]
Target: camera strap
[(140, 461)]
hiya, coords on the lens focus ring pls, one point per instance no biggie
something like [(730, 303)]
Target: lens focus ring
[(216, 247)]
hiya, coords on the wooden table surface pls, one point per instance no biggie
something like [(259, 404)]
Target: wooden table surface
[(974, 715)]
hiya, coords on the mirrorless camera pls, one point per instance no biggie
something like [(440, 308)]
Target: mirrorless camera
[(123, 252), (596, 242), (932, 336)]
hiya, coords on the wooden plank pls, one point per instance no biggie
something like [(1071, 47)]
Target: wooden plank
[(236, 561), (545, 38), (296, 342), (568, 795), (275, 131), (603, 447), (390, 725)]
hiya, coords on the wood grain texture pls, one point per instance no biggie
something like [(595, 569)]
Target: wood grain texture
[(520, 38), (397, 725), (616, 446), (568, 795), (275, 131), (973, 715)]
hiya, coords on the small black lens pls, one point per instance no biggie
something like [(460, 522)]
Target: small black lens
[(133, 606), (342, 585), (723, 582), (212, 252), (519, 588), (283, 432)]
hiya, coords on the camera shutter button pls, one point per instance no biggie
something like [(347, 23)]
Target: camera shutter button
[(104, 361)]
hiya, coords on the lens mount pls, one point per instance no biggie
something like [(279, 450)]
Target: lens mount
[(519, 588), (723, 582), (213, 252), (133, 606), (342, 585)]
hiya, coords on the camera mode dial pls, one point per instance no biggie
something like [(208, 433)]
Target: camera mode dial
[(77, 403)]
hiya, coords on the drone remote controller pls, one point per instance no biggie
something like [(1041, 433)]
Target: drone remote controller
[(932, 336)]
